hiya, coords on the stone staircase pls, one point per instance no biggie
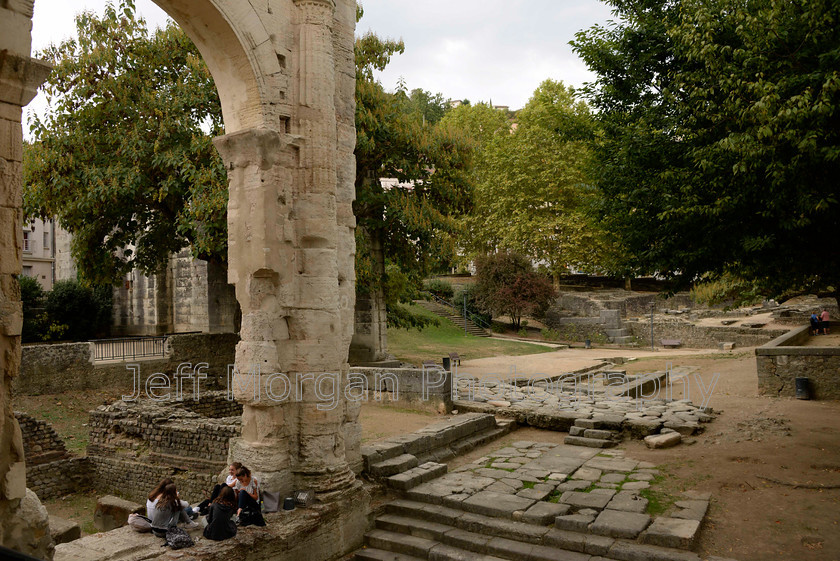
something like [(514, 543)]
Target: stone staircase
[(611, 320), (406, 461), (593, 511), (450, 314), (595, 433)]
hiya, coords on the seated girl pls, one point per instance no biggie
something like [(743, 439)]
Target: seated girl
[(248, 489), (230, 481), (219, 524), (164, 508)]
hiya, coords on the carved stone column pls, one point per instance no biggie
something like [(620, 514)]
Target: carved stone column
[(24, 525)]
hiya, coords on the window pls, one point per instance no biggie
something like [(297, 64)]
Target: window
[(46, 245), (27, 242)]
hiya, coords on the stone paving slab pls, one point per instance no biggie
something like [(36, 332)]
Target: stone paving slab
[(496, 504), (672, 532), (585, 500), (619, 524)]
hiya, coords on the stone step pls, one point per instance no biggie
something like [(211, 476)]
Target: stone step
[(416, 476), (624, 340), (589, 442), (394, 466), (373, 554), (400, 543), (620, 332)]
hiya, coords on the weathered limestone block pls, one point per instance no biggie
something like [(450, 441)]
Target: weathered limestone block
[(112, 512), (63, 531)]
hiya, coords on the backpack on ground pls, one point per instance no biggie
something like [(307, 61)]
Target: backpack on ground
[(178, 538)]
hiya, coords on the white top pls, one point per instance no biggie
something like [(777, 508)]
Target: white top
[(231, 481), (251, 488)]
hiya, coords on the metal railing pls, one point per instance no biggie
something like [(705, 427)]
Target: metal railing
[(128, 348), (459, 310)]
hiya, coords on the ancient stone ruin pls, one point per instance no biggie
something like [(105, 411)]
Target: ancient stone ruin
[(285, 74)]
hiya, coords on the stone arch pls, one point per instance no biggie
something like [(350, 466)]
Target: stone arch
[(286, 78), (238, 50)]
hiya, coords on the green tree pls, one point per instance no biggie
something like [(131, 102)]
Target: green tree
[(412, 225), (720, 148), (432, 107), (83, 311), (533, 194), (32, 296), (508, 285), (123, 157)]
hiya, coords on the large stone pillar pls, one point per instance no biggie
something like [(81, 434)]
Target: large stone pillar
[(290, 228), (24, 520)]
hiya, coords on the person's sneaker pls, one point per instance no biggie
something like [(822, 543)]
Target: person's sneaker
[(235, 519)]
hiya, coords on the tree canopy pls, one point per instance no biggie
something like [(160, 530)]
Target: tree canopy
[(414, 222), (720, 146), (123, 156), (533, 194), (508, 285)]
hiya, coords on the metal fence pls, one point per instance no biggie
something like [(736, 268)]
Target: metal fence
[(128, 348)]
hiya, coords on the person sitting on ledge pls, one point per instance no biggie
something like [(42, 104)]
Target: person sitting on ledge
[(219, 524), (164, 508), (230, 482), (248, 498)]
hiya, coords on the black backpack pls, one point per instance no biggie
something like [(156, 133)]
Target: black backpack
[(178, 538)]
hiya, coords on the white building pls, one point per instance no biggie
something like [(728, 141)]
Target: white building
[(39, 251)]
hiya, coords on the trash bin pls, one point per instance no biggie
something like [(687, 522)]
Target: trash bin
[(446, 363), (587, 343), (802, 389)]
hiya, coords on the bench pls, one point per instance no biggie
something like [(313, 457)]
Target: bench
[(671, 343), (455, 359), (430, 364)]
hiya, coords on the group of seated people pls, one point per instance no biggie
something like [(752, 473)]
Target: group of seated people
[(238, 496)]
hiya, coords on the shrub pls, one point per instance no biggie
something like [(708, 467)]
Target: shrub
[(32, 296), (508, 285), (439, 288), (551, 334), (79, 312), (498, 327), (523, 332)]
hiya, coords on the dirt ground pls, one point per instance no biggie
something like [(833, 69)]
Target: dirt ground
[(772, 465)]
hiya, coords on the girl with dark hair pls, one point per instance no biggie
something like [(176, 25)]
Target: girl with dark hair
[(230, 481), (248, 498), (219, 524), (165, 508)]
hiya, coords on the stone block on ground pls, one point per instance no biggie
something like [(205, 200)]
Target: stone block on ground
[(579, 500), (620, 524), (672, 532), (628, 502), (393, 466), (63, 531), (544, 513), (691, 510), (112, 512), (574, 522), (663, 440), (588, 442), (630, 551), (489, 503)]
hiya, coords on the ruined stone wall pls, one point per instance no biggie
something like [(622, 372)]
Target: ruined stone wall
[(51, 471), (59, 478), (41, 443), (135, 445), (783, 360), (56, 368), (191, 295), (630, 304), (406, 386), (214, 405), (698, 336)]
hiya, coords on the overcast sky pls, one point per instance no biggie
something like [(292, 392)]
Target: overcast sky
[(480, 50)]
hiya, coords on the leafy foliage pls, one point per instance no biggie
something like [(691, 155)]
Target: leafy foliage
[(413, 222), (720, 143), (85, 311), (508, 285), (32, 296), (123, 156), (533, 194), (439, 288)]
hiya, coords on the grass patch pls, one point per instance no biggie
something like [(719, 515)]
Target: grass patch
[(528, 484), (554, 497), (658, 502), (78, 507), (434, 342), (68, 413)]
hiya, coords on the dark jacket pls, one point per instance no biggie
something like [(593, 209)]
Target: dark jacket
[(219, 525)]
